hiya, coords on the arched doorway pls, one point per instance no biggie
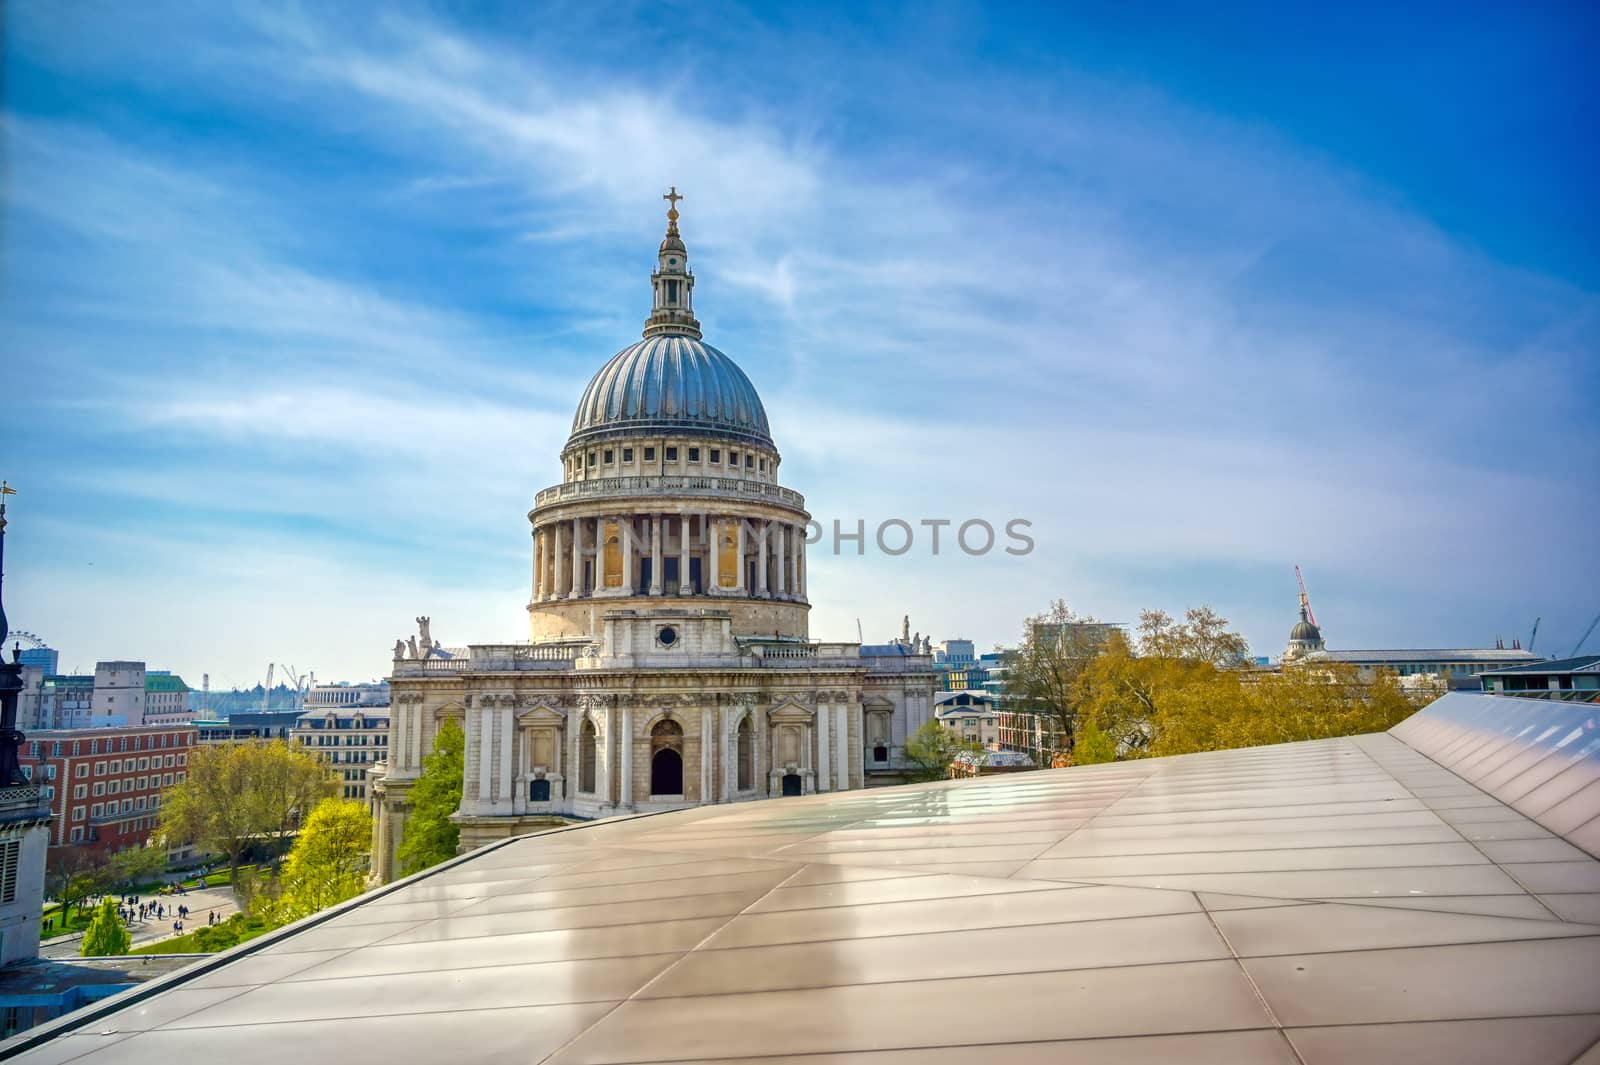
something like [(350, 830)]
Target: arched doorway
[(586, 740), (791, 784), (747, 756), (539, 790), (666, 758), (880, 753), (666, 772)]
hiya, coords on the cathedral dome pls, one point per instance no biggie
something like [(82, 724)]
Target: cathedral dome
[(671, 383), (1305, 631)]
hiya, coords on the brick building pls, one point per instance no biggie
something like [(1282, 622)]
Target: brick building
[(104, 784)]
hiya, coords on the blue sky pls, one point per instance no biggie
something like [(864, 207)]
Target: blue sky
[(298, 303)]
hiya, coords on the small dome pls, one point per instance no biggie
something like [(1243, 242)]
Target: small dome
[(1305, 631), (671, 383)]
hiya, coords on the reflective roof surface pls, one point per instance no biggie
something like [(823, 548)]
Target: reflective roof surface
[(1336, 901)]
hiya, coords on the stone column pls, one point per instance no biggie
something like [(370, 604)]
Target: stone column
[(625, 528), (684, 587), (761, 560), (821, 723), (626, 741), (655, 554), (556, 589), (577, 559), (574, 725), (800, 565), (707, 753), (780, 548), (728, 746), (538, 562), (602, 755), (713, 529), (508, 734), (848, 755), (739, 564)]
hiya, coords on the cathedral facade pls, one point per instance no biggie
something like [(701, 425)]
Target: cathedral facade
[(669, 661)]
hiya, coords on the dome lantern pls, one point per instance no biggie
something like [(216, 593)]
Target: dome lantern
[(672, 310)]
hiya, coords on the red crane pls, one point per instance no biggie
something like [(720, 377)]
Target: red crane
[(1305, 600)]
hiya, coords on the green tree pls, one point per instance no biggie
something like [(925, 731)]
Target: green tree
[(137, 865), (330, 857), (1093, 746), (933, 747), (234, 794), (430, 835), (289, 782), (106, 934)]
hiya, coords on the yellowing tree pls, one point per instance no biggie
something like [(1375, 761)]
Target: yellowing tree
[(933, 747), (236, 793), (329, 861)]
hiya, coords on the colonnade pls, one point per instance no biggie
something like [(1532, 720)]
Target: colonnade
[(669, 555)]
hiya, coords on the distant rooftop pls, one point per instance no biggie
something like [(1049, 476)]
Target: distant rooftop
[(1491, 654), (1581, 664)]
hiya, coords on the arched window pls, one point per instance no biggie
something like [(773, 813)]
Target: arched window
[(586, 757), (747, 755)]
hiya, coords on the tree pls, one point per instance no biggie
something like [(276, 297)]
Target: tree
[(430, 835), (1094, 746), (137, 865), (329, 861), (73, 874), (1202, 636), (933, 747), (106, 934), (1042, 673), (236, 793), (289, 782)]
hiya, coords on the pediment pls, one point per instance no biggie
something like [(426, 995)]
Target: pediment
[(790, 712), (541, 713)]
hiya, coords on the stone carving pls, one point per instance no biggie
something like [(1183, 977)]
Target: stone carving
[(412, 645), (399, 650), (422, 630)]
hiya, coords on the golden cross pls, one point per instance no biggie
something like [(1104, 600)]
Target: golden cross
[(672, 198)]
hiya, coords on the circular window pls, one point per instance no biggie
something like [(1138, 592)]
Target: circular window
[(672, 262), (668, 636)]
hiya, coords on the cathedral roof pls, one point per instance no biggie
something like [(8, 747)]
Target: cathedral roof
[(671, 383), (1304, 630)]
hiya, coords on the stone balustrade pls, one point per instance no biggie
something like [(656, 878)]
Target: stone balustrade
[(673, 487)]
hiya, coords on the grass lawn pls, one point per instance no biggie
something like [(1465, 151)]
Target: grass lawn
[(209, 939)]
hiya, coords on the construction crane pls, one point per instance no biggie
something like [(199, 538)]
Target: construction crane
[(1305, 600), (296, 679), (1585, 639), (1535, 635)]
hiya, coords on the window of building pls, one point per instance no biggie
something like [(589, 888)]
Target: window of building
[(591, 458), (610, 456), (78, 813), (97, 809), (49, 772), (116, 767), (127, 806), (649, 454), (144, 763), (55, 749), (749, 461), (80, 791), (116, 786), (672, 454), (81, 770), (100, 788), (694, 454), (733, 458), (716, 454), (762, 465), (586, 757), (77, 835), (10, 854)]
